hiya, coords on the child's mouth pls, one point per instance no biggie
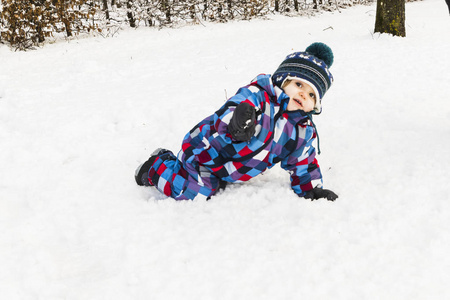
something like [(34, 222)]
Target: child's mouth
[(298, 102)]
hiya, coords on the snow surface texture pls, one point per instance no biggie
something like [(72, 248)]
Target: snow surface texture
[(77, 118)]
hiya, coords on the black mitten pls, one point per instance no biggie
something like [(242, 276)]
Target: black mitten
[(317, 193), (243, 122)]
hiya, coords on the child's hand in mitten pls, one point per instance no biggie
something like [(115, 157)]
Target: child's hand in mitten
[(243, 122), (317, 193)]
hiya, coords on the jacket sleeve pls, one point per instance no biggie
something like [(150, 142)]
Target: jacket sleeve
[(250, 94), (209, 140), (302, 163)]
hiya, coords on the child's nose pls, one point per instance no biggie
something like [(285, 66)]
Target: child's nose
[(302, 94)]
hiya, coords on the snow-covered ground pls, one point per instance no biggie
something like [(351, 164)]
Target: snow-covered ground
[(76, 118)]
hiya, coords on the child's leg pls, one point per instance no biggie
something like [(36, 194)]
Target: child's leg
[(169, 176)]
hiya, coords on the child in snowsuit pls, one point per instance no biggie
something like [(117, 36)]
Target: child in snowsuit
[(267, 122)]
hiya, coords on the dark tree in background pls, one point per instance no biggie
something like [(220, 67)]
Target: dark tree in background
[(390, 17)]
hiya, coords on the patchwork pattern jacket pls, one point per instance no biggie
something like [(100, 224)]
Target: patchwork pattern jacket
[(209, 151)]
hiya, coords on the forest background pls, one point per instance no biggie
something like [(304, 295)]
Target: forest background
[(25, 24)]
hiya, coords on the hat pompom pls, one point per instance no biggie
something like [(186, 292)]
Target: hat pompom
[(321, 51)]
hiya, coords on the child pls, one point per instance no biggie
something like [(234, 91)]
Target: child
[(266, 122)]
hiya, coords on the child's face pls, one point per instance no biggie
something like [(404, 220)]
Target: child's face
[(301, 96)]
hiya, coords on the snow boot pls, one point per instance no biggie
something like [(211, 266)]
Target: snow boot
[(141, 174)]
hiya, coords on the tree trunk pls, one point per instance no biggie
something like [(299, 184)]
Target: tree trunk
[(40, 34), (390, 17), (230, 9), (167, 9), (105, 8), (67, 26), (130, 16), (316, 4)]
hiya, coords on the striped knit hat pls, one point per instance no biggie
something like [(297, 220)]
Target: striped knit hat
[(311, 67)]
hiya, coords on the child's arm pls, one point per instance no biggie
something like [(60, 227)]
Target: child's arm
[(232, 118), (302, 164), (306, 178)]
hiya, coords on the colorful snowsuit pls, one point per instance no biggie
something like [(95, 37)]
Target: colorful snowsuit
[(209, 154)]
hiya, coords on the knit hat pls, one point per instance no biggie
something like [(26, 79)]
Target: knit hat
[(311, 67)]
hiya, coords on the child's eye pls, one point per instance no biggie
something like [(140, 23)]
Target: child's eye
[(299, 84), (312, 95)]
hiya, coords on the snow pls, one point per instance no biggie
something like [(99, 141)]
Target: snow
[(76, 118)]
